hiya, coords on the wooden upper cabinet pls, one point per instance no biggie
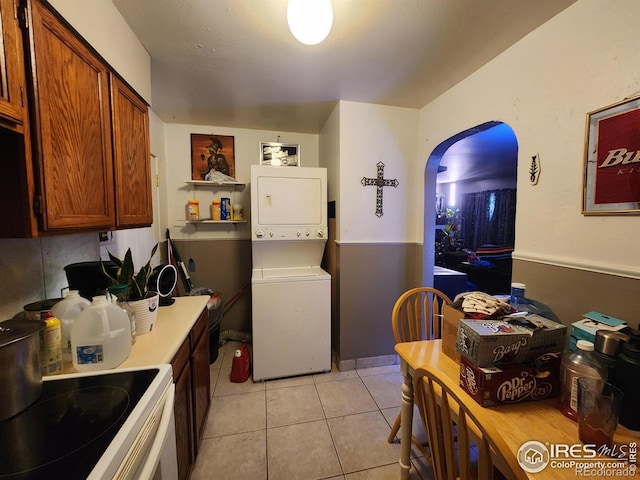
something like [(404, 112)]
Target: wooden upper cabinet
[(11, 67), (131, 157), (72, 127)]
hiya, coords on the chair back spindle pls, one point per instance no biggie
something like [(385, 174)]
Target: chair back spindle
[(417, 314), (455, 431)]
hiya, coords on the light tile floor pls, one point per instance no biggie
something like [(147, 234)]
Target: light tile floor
[(330, 426)]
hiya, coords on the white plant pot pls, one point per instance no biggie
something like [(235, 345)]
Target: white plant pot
[(146, 311)]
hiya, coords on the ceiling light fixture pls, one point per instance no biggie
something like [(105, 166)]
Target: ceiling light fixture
[(310, 21)]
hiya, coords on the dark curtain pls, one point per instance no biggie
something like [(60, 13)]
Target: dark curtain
[(488, 218)]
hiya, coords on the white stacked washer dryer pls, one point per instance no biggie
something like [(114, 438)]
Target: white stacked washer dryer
[(291, 293)]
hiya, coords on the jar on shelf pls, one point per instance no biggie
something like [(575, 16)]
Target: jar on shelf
[(215, 210), (238, 211), (193, 210)]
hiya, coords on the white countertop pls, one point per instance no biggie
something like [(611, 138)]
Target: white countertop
[(172, 326)]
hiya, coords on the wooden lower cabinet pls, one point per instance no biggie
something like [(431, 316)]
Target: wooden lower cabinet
[(201, 385), (193, 394)]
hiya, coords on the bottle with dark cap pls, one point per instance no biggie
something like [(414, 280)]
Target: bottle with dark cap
[(607, 346), (628, 380)]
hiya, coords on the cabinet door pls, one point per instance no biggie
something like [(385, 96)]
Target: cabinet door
[(72, 126), (131, 155), (183, 413), (11, 64), (201, 386)]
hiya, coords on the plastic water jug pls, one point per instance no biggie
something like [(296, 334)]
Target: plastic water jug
[(67, 310), (100, 336), (578, 364)]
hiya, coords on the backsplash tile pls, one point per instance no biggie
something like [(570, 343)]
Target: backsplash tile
[(33, 269)]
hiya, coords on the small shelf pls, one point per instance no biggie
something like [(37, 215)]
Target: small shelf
[(204, 183), (232, 187), (216, 221)]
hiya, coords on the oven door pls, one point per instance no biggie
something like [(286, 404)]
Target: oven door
[(152, 453), (160, 462)]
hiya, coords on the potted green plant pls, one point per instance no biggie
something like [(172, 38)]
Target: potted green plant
[(137, 283), (132, 288)]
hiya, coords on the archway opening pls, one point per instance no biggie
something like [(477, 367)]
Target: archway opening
[(470, 197)]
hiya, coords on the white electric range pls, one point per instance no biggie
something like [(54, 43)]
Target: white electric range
[(115, 424)]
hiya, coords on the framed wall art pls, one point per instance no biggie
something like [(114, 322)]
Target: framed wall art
[(212, 153), (279, 154), (612, 160)]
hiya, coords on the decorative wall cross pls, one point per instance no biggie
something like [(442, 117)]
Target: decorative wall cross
[(379, 182)]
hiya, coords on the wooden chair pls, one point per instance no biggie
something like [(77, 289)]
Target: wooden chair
[(455, 428), (416, 315)]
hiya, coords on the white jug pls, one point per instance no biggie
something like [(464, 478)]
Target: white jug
[(100, 336), (67, 310)]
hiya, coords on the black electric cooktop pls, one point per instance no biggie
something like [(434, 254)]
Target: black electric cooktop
[(64, 434)]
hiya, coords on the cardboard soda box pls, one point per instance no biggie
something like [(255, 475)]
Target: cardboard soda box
[(513, 339), (586, 328), (519, 382)]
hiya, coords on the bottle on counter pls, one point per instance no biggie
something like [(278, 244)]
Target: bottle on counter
[(520, 303), (67, 310), (628, 380), (517, 294), (100, 336), (607, 346), (578, 364), (51, 345)]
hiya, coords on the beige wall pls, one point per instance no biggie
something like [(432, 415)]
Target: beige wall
[(371, 277), (572, 292), (543, 87), (224, 266), (583, 59), (369, 134)]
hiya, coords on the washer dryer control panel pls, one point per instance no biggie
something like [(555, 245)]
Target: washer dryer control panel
[(290, 233)]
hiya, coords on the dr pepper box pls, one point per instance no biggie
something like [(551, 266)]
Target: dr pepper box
[(513, 339), (519, 382)]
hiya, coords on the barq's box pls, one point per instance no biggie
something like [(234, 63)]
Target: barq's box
[(514, 339), (519, 382)]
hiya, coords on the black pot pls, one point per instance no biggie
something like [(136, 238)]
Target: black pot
[(88, 279)]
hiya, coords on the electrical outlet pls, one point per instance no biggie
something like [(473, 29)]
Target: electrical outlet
[(105, 238)]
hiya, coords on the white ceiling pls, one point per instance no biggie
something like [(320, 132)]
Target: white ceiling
[(490, 151), (234, 62)]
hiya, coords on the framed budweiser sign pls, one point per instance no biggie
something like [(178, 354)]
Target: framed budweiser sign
[(612, 160)]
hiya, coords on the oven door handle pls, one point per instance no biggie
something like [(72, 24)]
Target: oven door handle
[(152, 461)]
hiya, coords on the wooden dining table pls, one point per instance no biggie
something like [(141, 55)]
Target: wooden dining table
[(529, 428)]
